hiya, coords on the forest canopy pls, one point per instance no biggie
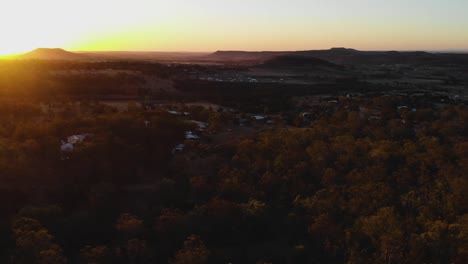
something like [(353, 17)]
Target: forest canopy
[(340, 188)]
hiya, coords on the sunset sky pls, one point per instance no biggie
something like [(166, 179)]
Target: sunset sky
[(209, 25)]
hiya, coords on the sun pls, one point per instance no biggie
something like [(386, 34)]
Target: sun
[(23, 29), (26, 25), (11, 50), (14, 42), (23, 44)]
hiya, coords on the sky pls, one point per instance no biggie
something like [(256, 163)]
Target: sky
[(210, 25)]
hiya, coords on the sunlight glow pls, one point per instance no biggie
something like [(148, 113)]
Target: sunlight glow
[(208, 25)]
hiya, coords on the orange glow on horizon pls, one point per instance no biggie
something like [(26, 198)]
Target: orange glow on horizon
[(208, 25)]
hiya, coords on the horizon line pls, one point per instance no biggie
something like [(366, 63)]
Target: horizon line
[(450, 50), (292, 50)]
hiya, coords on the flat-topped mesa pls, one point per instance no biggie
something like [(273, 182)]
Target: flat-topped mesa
[(52, 54)]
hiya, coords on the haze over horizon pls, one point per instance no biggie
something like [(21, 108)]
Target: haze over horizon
[(209, 25)]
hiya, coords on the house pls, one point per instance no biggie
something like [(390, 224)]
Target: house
[(191, 135), (259, 117), (173, 112), (178, 148), (69, 144), (66, 147), (77, 138)]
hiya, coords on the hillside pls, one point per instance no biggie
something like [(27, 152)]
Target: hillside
[(52, 54), (292, 61), (350, 56)]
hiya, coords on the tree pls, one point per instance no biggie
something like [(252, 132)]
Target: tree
[(215, 121), (136, 250), (193, 252), (130, 225), (95, 255), (384, 228), (34, 243)]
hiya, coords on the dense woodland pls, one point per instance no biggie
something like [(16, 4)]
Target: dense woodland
[(341, 189), (356, 180)]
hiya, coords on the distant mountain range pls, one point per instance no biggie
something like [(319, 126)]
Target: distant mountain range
[(344, 56), (338, 56)]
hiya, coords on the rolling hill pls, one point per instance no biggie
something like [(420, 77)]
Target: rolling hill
[(52, 54), (295, 61), (346, 56)]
